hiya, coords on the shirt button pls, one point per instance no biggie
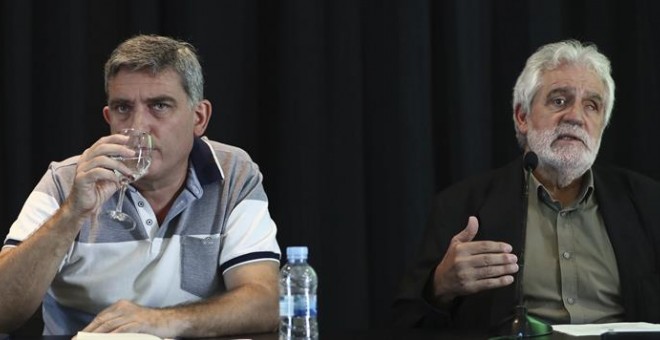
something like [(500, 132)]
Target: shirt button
[(570, 300), (140, 204), (150, 222), (566, 255), (563, 214)]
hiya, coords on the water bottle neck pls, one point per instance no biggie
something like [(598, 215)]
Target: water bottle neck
[(298, 260)]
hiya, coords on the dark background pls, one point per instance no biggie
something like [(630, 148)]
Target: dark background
[(357, 111)]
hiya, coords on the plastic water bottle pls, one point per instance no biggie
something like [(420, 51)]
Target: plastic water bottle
[(298, 283)]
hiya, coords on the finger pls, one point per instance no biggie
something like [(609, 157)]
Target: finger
[(131, 327), (484, 266), (484, 247), (102, 162), (102, 318), (495, 271), (470, 231), (476, 286), (92, 326), (96, 182), (95, 324), (107, 151), (116, 138), (477, 267), (108, 146), (487, 260), (104, 323), (492, 283)]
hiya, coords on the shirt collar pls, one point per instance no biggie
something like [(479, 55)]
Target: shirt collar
[(204, 162), (586, 191), (203, 168)]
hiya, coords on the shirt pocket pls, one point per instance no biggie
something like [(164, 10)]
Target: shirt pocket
[(199, 264)]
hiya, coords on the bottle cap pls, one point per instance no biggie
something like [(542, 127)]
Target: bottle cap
[(296, 253)]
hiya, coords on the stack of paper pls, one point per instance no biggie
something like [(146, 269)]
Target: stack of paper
[(599, 329), (115, 336)]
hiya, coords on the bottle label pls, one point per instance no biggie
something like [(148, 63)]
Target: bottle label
[(298, 305)]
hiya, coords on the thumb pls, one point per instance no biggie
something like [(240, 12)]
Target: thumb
[(470, 231)]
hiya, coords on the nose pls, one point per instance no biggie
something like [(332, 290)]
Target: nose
[(141, 118), (574, 115)]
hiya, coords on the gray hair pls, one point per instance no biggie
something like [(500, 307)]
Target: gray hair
[(550, 57), (156, 54)]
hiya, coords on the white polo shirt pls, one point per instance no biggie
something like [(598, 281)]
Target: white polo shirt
[(218, 221)]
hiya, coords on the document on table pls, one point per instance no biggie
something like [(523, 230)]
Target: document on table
[(115, 336), (120, 336), (602, 328)]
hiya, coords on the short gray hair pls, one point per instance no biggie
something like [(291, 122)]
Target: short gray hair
[(550, 57), (156, 54)]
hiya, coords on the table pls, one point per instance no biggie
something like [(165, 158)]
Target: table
[(372, 334), (393, 334)]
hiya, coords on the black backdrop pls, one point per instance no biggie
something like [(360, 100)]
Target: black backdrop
[(357, 111)]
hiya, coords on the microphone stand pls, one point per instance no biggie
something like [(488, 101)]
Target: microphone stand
[(521, 324)]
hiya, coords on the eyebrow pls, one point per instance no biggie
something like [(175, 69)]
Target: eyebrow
[(152, 100), (595, 97), (118, 101), (163, 98), (561, 90), (570, 90)]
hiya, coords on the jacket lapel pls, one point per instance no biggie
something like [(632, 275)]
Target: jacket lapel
[(621, 217), (500, 219)]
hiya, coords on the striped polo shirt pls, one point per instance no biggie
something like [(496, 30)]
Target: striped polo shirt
[(219, 220)]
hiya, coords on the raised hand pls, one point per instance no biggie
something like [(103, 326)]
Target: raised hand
[(95, 179), (471, 266)]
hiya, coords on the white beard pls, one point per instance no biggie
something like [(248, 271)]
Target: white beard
[(567, 161)]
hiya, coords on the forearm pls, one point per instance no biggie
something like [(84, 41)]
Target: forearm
[(27, 270), (252, 308)]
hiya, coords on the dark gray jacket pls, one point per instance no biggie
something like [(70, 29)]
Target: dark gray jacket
[(628, 202)]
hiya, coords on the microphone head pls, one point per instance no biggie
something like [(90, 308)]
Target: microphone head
[(530, 161)]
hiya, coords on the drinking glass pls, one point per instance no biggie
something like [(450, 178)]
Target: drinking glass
[(138, 164)]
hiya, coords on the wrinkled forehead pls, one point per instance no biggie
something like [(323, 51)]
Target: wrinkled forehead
[(132, 85), (571, 79), (166, 76)]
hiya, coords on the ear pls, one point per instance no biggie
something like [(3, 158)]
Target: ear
[(520, 118), (202, 117), (106, 114)]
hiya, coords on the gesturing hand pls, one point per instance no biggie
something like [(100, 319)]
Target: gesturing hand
[(472, 266)]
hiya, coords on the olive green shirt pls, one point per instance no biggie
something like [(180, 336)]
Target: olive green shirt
[(570, 274)]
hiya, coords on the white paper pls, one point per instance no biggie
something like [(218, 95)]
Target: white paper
[(601, 328), (115, 336)]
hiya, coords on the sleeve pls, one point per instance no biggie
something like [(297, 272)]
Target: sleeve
[(250, 233), (412, 307), (40, 205)]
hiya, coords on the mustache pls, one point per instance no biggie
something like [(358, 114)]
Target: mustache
[(573, 131)]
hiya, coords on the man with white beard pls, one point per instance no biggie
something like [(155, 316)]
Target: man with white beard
[(591, 233)]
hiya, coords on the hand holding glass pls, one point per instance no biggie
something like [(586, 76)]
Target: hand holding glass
[(138, 164)]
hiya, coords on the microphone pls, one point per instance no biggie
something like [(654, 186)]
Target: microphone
[(521, 324), (530, 161)]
